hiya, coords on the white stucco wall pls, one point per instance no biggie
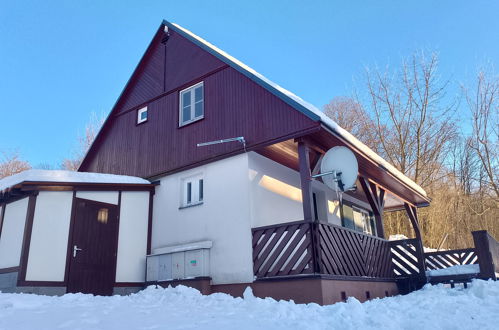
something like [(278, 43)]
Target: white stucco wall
[(49, 236), (132, 240), (223, 218), (11, 238), (110, 197), (276, 194)]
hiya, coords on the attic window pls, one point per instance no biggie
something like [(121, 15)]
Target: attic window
[(142, 115), (191, 104)]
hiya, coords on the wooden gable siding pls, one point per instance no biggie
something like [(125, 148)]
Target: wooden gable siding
[(234, 106), (166, 67), (147, 81)]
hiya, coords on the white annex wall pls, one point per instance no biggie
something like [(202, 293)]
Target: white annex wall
[(223, 218), (49, 236), (11, 238), (276, 194), (132, 240), (110, 197)]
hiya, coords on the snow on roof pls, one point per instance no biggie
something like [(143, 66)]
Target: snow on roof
[(67, 176), (313, 111)]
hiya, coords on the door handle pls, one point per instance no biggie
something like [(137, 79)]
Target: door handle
[(75, 250)]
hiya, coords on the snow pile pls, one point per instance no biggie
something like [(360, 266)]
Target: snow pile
[(455, 270), (66, 176), (433, 307)]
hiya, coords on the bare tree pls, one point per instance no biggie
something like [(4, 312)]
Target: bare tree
[(483, 104), (10, 164), (84, 143), (412, 121), (351, 115)]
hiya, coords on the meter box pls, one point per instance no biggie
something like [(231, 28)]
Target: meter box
[(179, 262)]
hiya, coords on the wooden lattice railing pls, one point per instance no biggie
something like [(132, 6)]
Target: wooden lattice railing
[(290, 249), (406, 258), (449, 258), (350, 253), (283, 249)]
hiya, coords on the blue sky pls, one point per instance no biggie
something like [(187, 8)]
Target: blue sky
[(62, 60)]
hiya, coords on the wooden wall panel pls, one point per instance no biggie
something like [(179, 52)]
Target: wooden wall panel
[(234, 106), (165, 68), (148, 79)]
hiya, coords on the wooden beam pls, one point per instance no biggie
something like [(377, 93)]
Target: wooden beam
[(376, 197), (306, 181), (28, 227), (413, 216)]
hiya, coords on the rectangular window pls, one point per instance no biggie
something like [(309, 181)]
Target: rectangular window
[(358, 219), (191, 104), (142, 115), (193, 191), (200, 190)]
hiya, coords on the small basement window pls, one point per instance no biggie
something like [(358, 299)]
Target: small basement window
[(142, 115), (191, 104), (193, 191)]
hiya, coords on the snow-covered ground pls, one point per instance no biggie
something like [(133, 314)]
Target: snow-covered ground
[(455, 270), (433, 307)]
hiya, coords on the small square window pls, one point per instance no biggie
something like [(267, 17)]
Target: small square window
[(142, 115), (191, 104)]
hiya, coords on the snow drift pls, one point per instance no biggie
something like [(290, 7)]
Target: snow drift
[(433, 307)]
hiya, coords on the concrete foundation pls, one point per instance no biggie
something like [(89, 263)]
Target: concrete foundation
[(311, 289)]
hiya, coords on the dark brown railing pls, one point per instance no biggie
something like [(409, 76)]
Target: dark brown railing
[(449, 258), (303, 247), (406, 258), (290, 249), (350, 253), (283, 249), (487, 250)]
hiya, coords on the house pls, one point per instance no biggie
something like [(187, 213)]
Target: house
[(233, 202), (186, 92)]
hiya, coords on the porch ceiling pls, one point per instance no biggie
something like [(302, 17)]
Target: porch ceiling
[(397, 192)]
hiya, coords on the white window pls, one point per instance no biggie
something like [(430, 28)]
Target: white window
[(142, 115), (193, 191), (191, 104)]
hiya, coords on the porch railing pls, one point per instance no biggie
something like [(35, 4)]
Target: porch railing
[(292, 249), (302, 247), (283, 249), (350, 253), (449, 258), (406, 258)]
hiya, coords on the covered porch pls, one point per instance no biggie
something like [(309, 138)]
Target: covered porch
[(357, 248)]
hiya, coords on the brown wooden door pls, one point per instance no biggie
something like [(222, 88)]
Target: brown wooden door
[(93, 248)]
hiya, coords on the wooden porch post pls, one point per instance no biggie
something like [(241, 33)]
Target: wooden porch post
[(306, 181), (413, 216), (376, 198), (484, 249), (307, 202)]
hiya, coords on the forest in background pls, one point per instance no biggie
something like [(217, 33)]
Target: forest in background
[(448, 144)]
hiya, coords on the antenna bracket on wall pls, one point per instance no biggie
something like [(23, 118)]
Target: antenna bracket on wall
[(239, 139)]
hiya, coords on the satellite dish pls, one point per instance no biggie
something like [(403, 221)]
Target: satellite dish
[(339, 169)]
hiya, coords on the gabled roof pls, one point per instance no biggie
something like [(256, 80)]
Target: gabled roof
[(296, 102)]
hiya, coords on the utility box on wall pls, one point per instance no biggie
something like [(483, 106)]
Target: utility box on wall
[(179, 262)]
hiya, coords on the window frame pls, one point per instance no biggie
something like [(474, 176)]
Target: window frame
[(192, 191), (193, 119), (139, 115), (368, 216)]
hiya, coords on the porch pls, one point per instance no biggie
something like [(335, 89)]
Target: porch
[(304, 248)]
